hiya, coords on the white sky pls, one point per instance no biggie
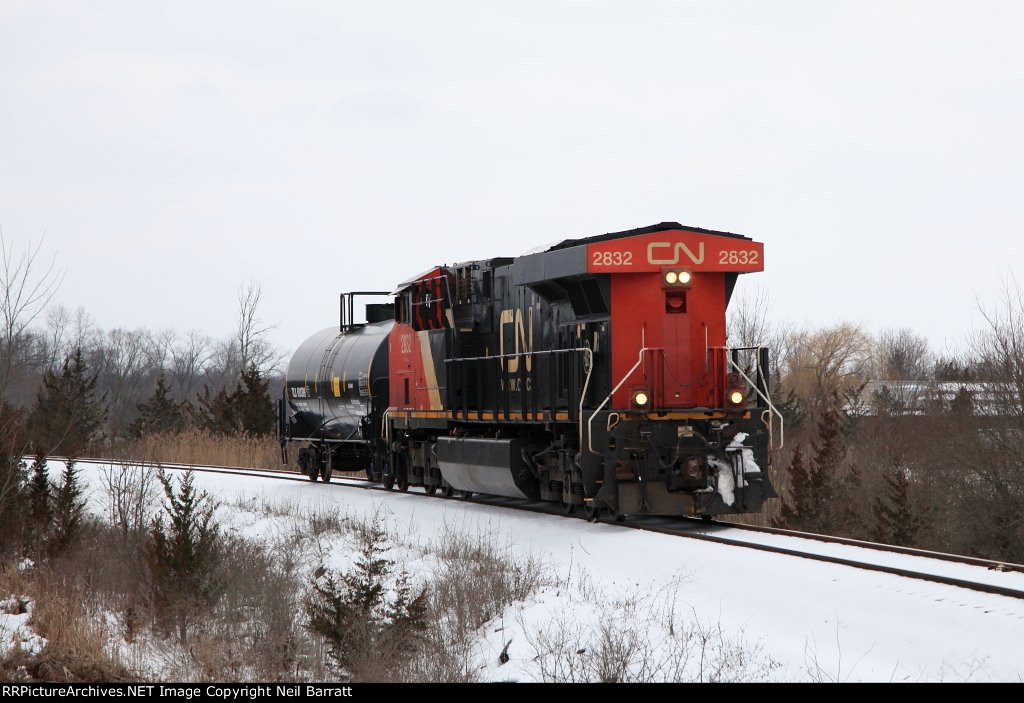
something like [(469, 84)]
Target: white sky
[(171, 150)]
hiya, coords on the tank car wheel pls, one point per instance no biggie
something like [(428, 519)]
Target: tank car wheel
[(312, 474), (447, 491), (430, 490), (388, 480), (707, 518), (465, 495), (325, 474), (592, 510), (403, 484), (567, 507)]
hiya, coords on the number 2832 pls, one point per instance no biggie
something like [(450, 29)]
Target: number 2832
[(612, 258)]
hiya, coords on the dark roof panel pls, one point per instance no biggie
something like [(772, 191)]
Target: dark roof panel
[(661, 227)]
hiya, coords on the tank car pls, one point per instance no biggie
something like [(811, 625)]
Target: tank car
[(593, 373), (337, 380)]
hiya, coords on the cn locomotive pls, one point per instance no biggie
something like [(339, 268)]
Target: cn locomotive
[(593, 374)]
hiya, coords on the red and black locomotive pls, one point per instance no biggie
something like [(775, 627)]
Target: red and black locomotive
[(594, 373)]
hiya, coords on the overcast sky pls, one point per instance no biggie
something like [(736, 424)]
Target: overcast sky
[(171, 150)]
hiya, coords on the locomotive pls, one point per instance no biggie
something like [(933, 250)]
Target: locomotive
[(593, 373)]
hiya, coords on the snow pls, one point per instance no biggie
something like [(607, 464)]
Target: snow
[(809, 620), (923, 565), (727, 479), (15, 632)]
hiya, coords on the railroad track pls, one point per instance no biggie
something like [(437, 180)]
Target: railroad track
[(971, 573)]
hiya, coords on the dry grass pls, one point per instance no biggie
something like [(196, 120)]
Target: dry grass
[(254, 632), (69, 614), (641, 638), (94, 607), (478, 580), (198, 447)]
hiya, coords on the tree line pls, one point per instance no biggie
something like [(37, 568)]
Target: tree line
[(888, 440), (69, 388)]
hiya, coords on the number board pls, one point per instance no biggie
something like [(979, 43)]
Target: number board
[(675, 249)]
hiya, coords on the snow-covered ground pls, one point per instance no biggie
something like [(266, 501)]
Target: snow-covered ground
[(15, 632), (812, 620)]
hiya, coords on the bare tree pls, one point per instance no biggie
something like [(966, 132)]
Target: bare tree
[(131, 492), (55, 336), (747, 320), (126, 362), (189, 359), (84, 333), (826, 364), (999, 353), (903, 360), (748, 325), (986, 480), (903, 355), (254, 349), (28, 284)]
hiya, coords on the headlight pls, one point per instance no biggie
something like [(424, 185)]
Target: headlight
[(736, 397), (676, 278), (640, 399)]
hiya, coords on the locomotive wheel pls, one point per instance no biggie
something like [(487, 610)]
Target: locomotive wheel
[(567, 507), (431, 489), (402, 472), (592, 511)]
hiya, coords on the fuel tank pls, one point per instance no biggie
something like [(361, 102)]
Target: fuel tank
[(335, 379), (491, 466)]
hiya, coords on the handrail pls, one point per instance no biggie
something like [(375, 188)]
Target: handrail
[(587, 351), (385, 427), (590, 434), (771, 407), (522, 353)]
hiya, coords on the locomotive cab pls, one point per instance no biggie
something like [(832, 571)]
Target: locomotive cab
[(686, 415)]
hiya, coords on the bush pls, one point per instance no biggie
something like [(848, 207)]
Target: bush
[(183, 554), (369, 636), (68, 511), (130, 491)]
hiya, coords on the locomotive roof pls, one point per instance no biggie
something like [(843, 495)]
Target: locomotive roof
[(660, 227), (569, 243)]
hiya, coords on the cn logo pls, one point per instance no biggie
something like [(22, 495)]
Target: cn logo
[(524, 343), (670, 257)]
